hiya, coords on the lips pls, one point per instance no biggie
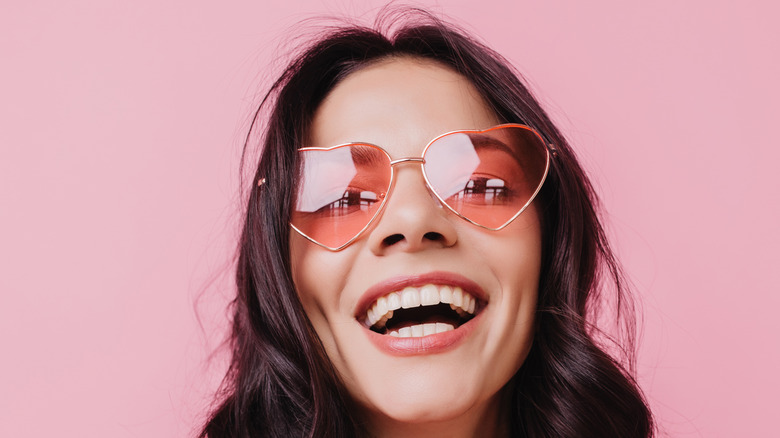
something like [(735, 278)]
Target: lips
[(420, 306)]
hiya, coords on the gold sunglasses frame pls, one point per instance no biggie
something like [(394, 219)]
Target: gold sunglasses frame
[(421, 161)]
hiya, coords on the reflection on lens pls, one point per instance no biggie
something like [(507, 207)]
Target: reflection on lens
[(340, 192), (487, 177)]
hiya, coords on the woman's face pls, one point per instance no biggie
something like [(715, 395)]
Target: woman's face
[(401, 104)]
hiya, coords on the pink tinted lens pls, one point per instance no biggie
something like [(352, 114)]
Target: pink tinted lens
[(340, 192), (487, 177)]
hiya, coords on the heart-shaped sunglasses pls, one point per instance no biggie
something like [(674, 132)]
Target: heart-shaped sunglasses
[(486, 177)]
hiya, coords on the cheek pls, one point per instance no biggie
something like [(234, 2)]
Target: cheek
[(515, 253), (515, 259), (319, 276), (521, 264)]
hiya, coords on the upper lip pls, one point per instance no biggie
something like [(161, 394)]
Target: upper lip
[(398, 283)]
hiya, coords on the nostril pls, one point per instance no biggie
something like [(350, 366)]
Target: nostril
[(395, 238), (392, 240), (433, 236)]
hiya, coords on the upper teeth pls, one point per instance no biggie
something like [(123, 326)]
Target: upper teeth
[(428, 295)]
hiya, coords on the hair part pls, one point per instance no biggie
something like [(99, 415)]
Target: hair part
[(281, 382)]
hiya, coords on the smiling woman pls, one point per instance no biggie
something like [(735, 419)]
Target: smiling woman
[(420, 255), (377, 304)]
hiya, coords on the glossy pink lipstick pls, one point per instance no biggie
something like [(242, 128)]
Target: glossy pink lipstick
[(430, 312)]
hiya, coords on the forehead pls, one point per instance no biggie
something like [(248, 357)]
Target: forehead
[(399, 104)]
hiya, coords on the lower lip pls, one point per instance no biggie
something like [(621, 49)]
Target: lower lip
[(431, 344)]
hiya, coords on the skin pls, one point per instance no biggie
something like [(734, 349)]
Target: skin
[(401, 104)]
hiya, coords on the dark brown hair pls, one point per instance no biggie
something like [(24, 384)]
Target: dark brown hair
[(282, 384)]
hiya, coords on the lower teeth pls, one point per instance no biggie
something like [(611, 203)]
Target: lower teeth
[(420, 330)]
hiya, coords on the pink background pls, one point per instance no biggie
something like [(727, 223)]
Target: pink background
[(120, 128)]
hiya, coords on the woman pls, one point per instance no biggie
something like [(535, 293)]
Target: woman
[(420, 255)]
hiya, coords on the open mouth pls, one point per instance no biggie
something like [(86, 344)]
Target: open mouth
[(415, 312)]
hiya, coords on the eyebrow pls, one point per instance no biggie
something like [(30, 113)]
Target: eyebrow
[(366, 155), (482, 141), (488, 142)]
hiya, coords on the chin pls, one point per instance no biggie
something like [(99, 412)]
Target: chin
[(430, 411)]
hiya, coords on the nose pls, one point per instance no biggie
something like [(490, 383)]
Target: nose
[(412, 219)]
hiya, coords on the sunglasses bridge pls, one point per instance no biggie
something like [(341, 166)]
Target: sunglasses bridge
[(420, 160)]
